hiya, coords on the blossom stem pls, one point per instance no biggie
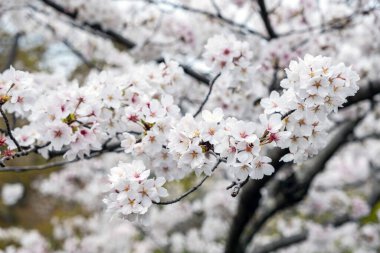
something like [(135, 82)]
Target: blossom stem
[(208, 95), (9, 131)]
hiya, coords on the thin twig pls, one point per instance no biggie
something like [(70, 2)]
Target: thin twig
[(217, 16), (49, 165), (208, 95), (24, 152), (193, 189), (36, 167), (237, 186)]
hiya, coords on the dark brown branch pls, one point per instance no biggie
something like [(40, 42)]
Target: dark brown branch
[(25, 152), (36, 167), (282, 243), (289, 197), (249, 200), (265, 17), (96, 27), (203, 78), (13, 52), (368, 92), (94, 153)]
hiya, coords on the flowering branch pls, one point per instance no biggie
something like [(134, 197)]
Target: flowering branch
[(24, 152)]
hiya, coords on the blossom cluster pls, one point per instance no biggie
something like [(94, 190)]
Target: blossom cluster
[(142, 118), (235, 141), (17, 91), (79, 119), (131, 191), (313, 89), (226, 54)]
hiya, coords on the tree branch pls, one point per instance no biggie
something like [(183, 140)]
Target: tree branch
[(96, 27), (265, 17), (293, 195), (249, 200), (282, 243), (13, 52), (207, 96), (217, 16)]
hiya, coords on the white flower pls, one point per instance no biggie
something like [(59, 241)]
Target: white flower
[(272, 104), (136, 170), (128, 142), (193, 156), (274, 124), (261, 167)]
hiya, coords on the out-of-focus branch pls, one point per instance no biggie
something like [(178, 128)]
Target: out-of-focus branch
[(339, 221), (13, 52), (127, 43), (96, 27), (337, 24), (282, 243), (201, 77), (249, 200), (217, 16), (367, 92), (265, 17)]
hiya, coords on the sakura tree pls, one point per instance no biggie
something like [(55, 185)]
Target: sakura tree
[(191, 126)]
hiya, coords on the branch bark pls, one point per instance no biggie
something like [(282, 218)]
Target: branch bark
[(13, 52), (293, 195), (265, 17)]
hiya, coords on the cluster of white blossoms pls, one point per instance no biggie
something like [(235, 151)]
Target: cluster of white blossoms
[(139, 116), (198, 145), (17, 91), (224, 53), (132, 192), (76, 120), (313, 89)]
